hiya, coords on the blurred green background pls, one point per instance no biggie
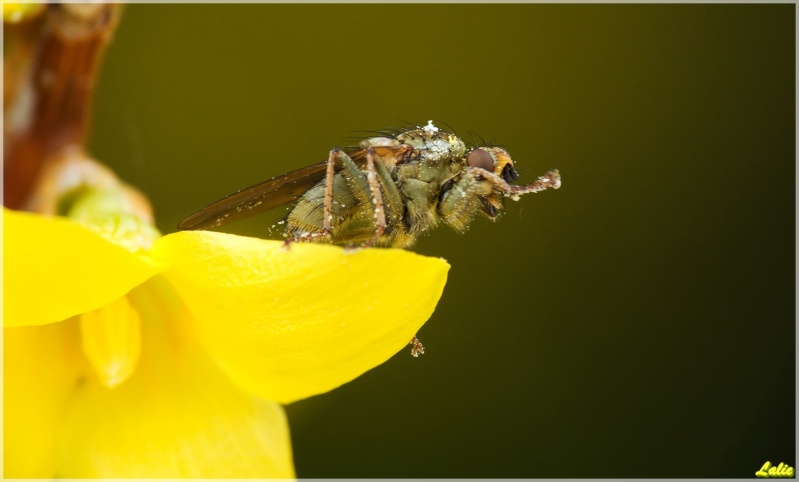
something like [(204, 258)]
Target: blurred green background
[(639, 322)]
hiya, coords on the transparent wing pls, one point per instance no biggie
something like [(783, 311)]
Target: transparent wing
[(256, 199)]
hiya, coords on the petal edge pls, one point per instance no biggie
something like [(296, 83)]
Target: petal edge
[(289, 324)]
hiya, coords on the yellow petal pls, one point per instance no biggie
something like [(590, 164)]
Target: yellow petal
[(41, 365), (55, 269), (176, 416), (15, 12), (288, 324), (111, 340)]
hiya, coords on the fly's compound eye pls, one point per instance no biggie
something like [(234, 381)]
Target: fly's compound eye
[(482, 159)]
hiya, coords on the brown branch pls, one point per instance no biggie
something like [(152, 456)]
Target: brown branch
[(50, 66)]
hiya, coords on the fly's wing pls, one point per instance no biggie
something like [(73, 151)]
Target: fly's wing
[(278, 191), (256, 199)]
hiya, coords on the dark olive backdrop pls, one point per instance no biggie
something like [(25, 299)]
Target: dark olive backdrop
[(638, 322)]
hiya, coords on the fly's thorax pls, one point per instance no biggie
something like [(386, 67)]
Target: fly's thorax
[(433, 146), (429, 143), (435, 156)]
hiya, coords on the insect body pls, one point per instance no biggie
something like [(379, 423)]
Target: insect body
[(386, 193)]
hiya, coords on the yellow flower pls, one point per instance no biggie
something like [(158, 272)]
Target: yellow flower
[(128, 354)]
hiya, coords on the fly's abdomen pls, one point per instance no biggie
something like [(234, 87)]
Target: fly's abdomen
[(352, 218), (348, 212)]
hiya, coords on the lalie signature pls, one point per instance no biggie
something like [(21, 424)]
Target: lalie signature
[(782, 470)]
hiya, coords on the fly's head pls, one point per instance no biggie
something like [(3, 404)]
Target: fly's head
[(497, 161), (484, 181)]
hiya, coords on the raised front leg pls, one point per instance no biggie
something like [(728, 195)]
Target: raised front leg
[(550, 180), (465, 198)]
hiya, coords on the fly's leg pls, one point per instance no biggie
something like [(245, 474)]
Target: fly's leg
[(367, 185), (327, 220), (418, 348), (388, 210), (377, 198), (393, 199), (550, 180), (465, 198)]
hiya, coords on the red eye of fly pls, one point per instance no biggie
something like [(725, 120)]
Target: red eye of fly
[(482, 159)]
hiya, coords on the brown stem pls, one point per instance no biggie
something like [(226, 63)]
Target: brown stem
[(51, 62)]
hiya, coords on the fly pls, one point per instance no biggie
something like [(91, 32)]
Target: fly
[(387, 193)]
